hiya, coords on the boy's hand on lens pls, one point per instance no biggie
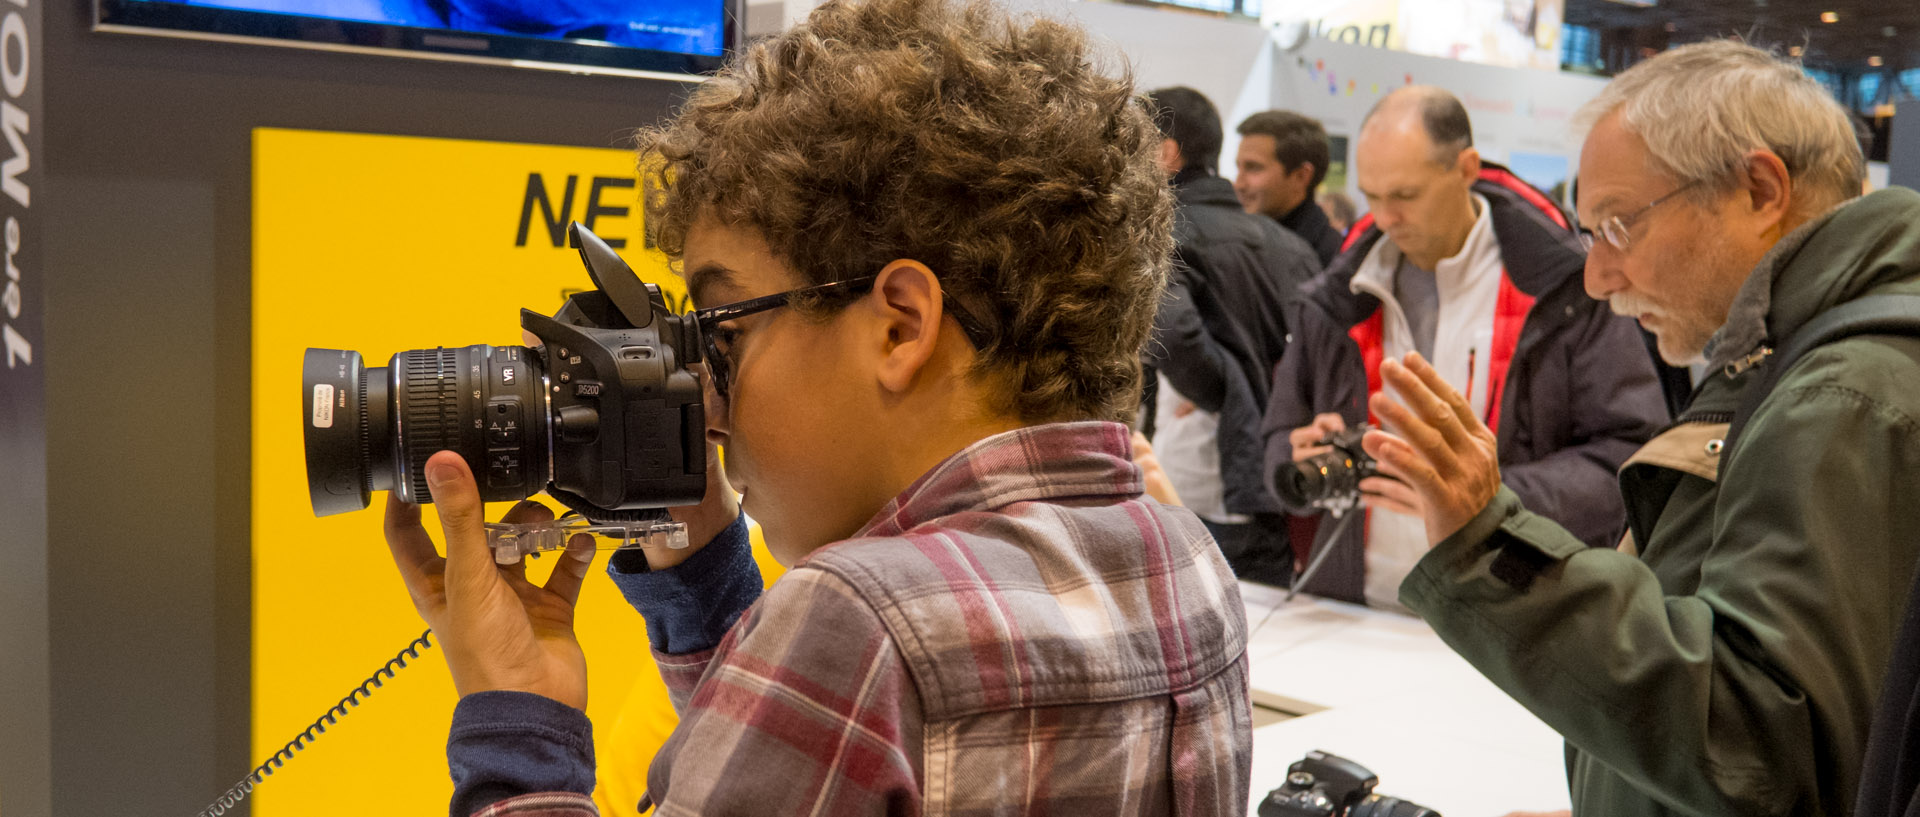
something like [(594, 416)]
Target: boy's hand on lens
[(498, 630)]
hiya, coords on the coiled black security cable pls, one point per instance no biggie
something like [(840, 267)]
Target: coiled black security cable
[(240, 790)]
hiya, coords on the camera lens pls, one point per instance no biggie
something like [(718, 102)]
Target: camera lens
[(1318, 478), (1376, 805), (372, 429), (1301, 483)]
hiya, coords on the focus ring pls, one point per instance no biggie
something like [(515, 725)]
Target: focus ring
[(366, 436), (431, 412)]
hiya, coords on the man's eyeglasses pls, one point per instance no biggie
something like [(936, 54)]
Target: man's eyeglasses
[(1614, 228), (719, 340)]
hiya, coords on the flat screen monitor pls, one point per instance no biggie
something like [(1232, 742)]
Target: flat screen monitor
[(646, 37)]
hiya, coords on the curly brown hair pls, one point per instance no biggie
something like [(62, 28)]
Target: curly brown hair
[(993, 150)]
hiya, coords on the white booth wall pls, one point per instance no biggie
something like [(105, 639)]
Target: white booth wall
[(1522, 117)]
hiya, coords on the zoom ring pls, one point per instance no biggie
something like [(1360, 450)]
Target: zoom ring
[(432, 411)]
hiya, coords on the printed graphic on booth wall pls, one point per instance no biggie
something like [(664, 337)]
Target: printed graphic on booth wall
[(380, 244)]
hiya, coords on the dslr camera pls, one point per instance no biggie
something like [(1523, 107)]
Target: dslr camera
[(1328, 785), (604, 416), (1330, 480)]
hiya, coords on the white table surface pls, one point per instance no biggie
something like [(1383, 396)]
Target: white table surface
[(1381, 689)]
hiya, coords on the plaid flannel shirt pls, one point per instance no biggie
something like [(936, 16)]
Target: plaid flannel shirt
[(1019, 632)]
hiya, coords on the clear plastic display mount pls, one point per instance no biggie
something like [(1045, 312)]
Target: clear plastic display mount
[(512, 541)]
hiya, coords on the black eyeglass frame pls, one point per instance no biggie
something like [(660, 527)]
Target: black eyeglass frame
[(709, 320)]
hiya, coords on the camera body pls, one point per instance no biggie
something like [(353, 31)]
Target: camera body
[(1331, 479), (1323, 784), (604, 415)]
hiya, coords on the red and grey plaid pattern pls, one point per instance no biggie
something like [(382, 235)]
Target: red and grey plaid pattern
[(1019, 632)]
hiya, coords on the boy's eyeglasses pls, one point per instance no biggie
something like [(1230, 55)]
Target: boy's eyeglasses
[(718, 340), (1614, 228)]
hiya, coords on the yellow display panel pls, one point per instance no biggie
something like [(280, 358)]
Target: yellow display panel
[(380, 244)]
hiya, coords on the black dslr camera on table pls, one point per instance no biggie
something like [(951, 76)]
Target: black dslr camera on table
[(605, 416), (1328, 785)]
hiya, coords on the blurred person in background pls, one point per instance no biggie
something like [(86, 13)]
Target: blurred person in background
[(1339, 209), (1281, 161), (1218, 334)]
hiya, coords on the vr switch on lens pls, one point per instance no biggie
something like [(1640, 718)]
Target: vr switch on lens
[(604, 416)]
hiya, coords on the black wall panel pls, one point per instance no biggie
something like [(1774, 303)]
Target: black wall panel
[(146, 229)]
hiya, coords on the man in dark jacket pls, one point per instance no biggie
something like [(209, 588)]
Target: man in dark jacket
[(1282, 159), (1467, 264), (1218, 334), (1728, 663)]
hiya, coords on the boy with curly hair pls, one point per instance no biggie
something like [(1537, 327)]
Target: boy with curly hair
[(942, 236)]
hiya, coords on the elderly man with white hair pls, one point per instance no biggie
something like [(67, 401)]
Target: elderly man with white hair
[(1725, 660)]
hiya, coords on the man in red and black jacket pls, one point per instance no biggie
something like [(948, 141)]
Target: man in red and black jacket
[(1467, 264)]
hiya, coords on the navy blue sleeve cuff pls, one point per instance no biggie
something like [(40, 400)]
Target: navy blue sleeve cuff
[(689, 607), (505, 744)]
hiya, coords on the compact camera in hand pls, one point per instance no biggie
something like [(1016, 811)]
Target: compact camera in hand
[(1328, 785), (1330, 480), (605, 416)]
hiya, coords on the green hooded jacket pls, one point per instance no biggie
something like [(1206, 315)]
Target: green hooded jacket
[(1729, 663)]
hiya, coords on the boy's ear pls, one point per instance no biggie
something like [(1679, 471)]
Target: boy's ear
[(908, 300)]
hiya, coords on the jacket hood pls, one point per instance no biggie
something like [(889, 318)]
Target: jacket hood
[(1870, 245)]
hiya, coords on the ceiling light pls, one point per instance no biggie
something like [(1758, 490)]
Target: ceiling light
[(1875, 61), (1829, 17)]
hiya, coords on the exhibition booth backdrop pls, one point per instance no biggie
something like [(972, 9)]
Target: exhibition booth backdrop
[(24, 522), (380, 244), (1521, 117), (1523, 34)]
